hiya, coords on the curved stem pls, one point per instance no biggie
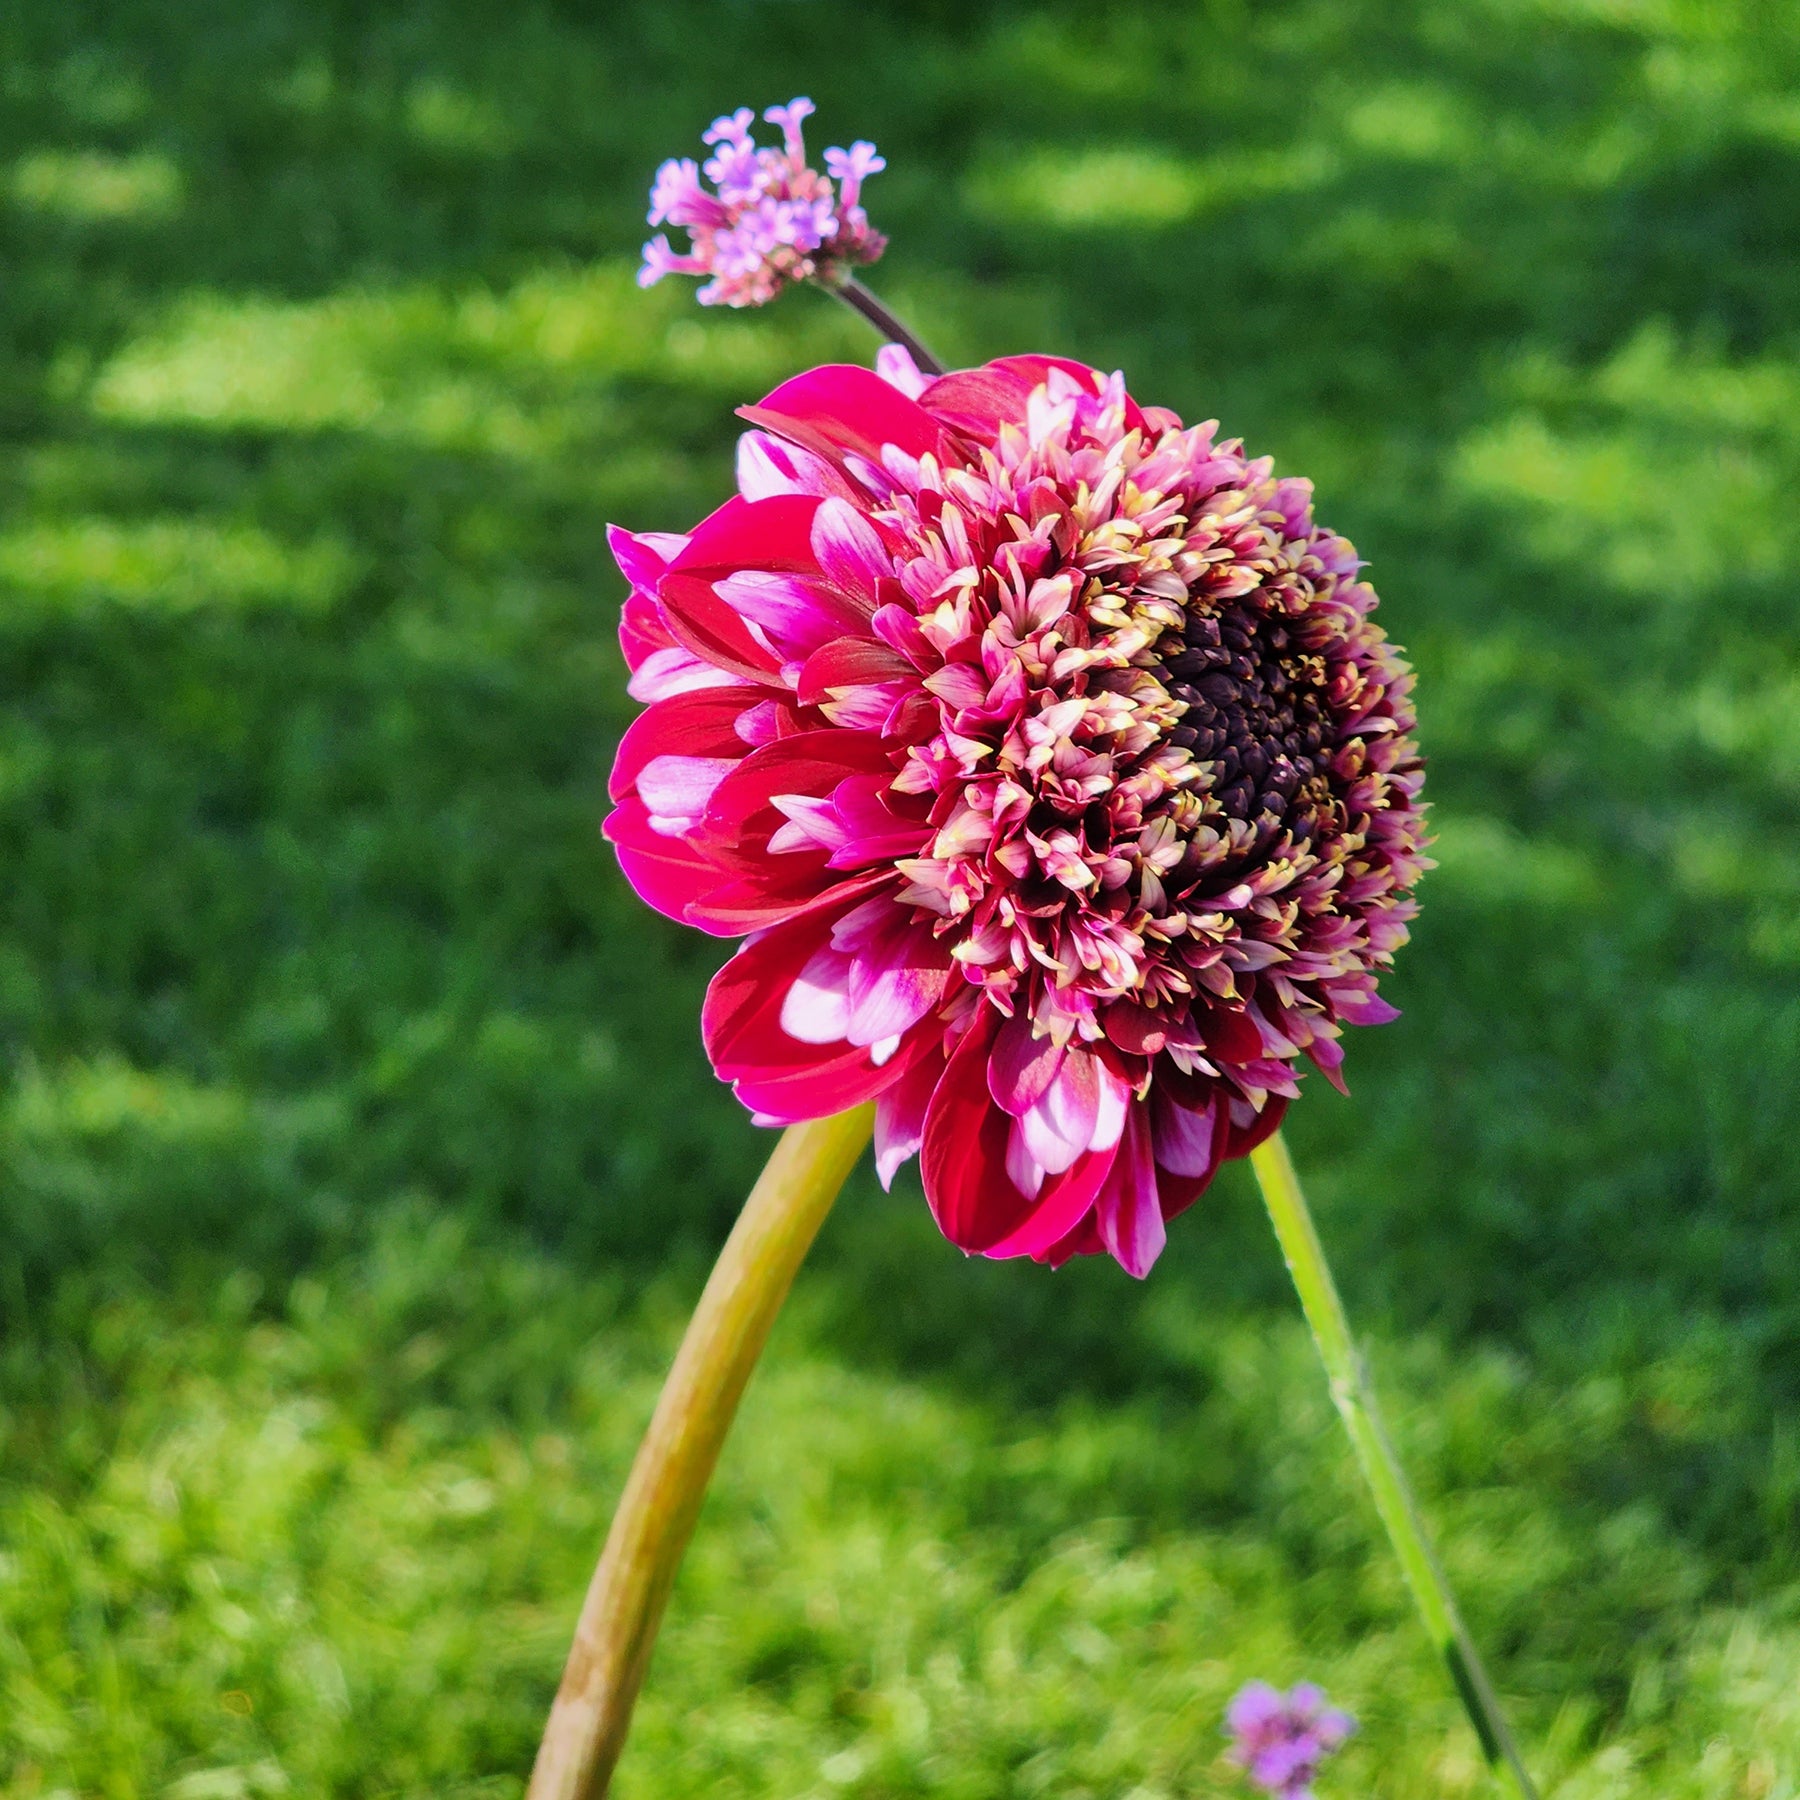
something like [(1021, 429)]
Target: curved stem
[(1354, 1396), (853, 294), (624, 1606)]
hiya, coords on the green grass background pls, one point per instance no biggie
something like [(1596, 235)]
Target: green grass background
[(358, 1161)]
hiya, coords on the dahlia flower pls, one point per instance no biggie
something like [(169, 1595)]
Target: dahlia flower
[(1281, 1739), (769, 220), (1046, 751)]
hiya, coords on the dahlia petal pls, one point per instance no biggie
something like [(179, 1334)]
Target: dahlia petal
[(1064, 1202), (849, 551), (641, 629), (900, 1113), (642, 556), (817, 1007), (1022, 1066), (1023, 1169), (742, 815), (895, 990), (702, 622), (796, 614), (734, 905), (1240, 1140), (1327, 1056), (894, 364), (980, 401), (774, 1072), (1366, 1009), (677, 788), (1186, 1142), (841, 408), (849, 662), (963, 1157), (667, 873), (697, 724), (766, 467), (663, 674), (1128, 1208), (1229, 1036), (1062, 1121), (773, 534), (1110, 1114)]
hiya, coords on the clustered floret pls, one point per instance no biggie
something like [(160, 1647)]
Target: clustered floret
[(769, 220), (1280, 1740)]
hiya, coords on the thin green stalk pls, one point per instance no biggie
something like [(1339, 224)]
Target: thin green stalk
[(859, 298), (617, 1629), (1354, 1396)]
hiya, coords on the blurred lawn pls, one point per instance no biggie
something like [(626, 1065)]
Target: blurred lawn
[(357, 1158)]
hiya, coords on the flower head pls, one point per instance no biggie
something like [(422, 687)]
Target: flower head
[(1281, 1739), (768, 220), (1047, 752)]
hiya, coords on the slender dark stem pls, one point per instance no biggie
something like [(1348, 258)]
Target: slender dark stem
[(1354, 1396), (853, 294)]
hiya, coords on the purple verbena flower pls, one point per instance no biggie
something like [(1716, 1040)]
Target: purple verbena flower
[(1281, 1739), (768, 220)]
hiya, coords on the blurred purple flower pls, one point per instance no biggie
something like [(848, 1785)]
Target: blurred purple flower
[(1281, 1739), (768, 220)]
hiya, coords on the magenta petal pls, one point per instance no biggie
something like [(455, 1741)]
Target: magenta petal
[(886, 998), (1021, 1067), (697, 724), (774, 1072), (797, 613), (843, 408), (900, 1113), (980, 401), (667, 872), (676, 789), (964, 1153), (1128, 1209), (850, 551), (641, 629), (701, 621), (773, 534), (766, 468), (665, 673), (738, 905), (1240, 1140), (642, 556), (1062, 1203), (743, 816), (1186, 1142), (816, 1009)]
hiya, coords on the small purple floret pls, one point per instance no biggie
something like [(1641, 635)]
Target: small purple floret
[(1282, 1739), (768, 220)]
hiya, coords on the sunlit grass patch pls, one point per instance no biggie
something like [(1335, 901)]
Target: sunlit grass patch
[(1484, 862), (1413, 121), (171, 563), (447, 117), (1134, 185), (90, 185), (1660, 518), (521, 372)]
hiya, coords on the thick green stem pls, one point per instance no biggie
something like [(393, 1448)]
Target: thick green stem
[(661, 1501), (1354, 1395)]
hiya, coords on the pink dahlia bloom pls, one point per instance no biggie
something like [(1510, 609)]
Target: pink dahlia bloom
[(1046, 751), (768, 219), (1281, 1740)]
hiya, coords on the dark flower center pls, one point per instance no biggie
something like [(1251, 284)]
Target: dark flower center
[(1255, 699)]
